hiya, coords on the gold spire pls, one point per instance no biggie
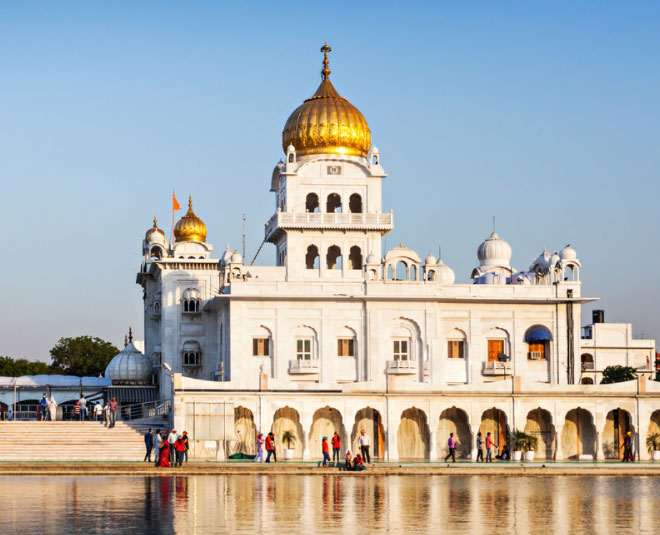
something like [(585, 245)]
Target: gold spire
[(327, 123), (190, 227)]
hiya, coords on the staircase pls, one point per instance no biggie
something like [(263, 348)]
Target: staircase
[(71, 441)]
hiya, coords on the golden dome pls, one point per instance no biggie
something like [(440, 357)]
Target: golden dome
[(190, 227), (154, 230), (327, 123)]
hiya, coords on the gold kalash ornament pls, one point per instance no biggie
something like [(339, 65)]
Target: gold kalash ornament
[(327, 123), (190, 227)]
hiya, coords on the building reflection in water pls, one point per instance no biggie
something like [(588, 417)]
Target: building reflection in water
[(330, 503)]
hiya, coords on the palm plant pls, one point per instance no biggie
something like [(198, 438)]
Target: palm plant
[(288, 437), (523, 441), (653, 442)]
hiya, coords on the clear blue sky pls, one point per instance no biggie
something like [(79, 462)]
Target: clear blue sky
[(543, 114)]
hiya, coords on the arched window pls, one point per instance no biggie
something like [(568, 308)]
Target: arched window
[(312, 202), (334, 257), (157, 307), (312, 257), (587, 361), (192, 354), (390, 273), (401, 271), (587, 381), (355, 258), (305, 340), (261, 342), (334, 203), (156, 253), (538, 340), (291, 158), (355, 204), (456, 344), (413, 272), (346, 342), (191, 301)]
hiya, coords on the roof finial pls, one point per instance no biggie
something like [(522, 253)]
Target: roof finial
[(130, 334), (190, 201), (125, 340), (155, 221), (493, 224), (326, 71)]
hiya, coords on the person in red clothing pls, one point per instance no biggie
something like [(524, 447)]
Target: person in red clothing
[(489, 448), (336, 446), (179, 448), (164, 452), (270, 448), (324, 448)]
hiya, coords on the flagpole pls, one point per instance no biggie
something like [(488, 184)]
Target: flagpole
[(172, 227)]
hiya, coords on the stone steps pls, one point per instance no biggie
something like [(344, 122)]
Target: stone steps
[(70, 441)]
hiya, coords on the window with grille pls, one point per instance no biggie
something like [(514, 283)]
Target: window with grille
[(345, 347), (192, 358), (304, 349), (536, 350), (260, 347), (401, 349), (456, 349)]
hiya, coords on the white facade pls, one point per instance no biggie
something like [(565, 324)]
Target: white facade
[(338, 324)]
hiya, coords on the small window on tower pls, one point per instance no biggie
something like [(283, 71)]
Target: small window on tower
[(260, 347), (455, 349), (345, 347)]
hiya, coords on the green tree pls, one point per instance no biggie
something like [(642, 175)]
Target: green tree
[(10, 367), (82, 356), (618, 374)]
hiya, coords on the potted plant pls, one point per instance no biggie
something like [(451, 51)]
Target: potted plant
[(289, 438), (524, 443), (653, 446)]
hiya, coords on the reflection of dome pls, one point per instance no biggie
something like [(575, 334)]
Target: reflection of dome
[(190, 227), (327, 123), (568, 253), (154, 234), (446, 274), (494, 251), (130, 367)]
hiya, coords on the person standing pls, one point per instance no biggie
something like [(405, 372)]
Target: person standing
[(179, 448), (349, 461), (627, 448), (113, 411), (336, 446), (184, 437), (164, 458), (270, 448), (158, 439), (171, 438), (364, 442), (52, 407), (259, 457), (83, 408), (43, 404), (76, 411), (324, 449), (489, 448), (98, 411), (480, 448), (149, 444), (452, 447)]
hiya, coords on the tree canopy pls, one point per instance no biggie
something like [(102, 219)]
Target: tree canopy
[(618, 374), (82, 356), (10, 367)]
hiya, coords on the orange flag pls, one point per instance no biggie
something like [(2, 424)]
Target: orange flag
[(175, 203)]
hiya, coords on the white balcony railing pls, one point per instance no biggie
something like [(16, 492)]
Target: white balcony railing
[(318, 220), (303, 366), (495, 367), (402, 367)]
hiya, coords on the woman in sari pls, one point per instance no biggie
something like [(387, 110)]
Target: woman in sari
[(164, 452)]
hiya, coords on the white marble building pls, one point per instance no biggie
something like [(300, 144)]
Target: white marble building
[(338, 334)]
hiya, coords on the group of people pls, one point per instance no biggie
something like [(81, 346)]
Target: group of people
[(269, 443), (107, 414), (505, 455), (171, 449)]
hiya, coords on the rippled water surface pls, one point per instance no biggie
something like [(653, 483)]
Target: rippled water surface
[(323, 504)]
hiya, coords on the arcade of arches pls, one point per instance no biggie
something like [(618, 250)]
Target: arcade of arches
[(574, 435)]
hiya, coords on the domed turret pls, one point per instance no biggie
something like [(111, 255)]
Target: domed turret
[(430, 260), (129, 367), (446, 274), (568, 253), (155, 235), (327, 123), (494, 251), (236, 257), (190, 227)]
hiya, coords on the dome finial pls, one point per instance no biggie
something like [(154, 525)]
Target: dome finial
[(125, 340), (155, 222), (130, 334), (190, 201), (326, 70)]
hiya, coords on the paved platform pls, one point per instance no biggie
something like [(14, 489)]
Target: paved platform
[(298, 468)]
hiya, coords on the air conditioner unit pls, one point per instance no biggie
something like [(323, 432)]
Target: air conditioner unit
[(535, 355)]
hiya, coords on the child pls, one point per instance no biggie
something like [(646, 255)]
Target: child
[(349, 461)]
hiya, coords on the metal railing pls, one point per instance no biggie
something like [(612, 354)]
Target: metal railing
[(303, 366), (150, 409), (323, 219)]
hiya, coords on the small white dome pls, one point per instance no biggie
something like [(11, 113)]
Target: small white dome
[(554, 259), (374, 150), (130, 367), (236, 257), (568, 253), (430, 259), (290, 148), (226, 257), (494, 251), (372, 259), (446, 274)]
